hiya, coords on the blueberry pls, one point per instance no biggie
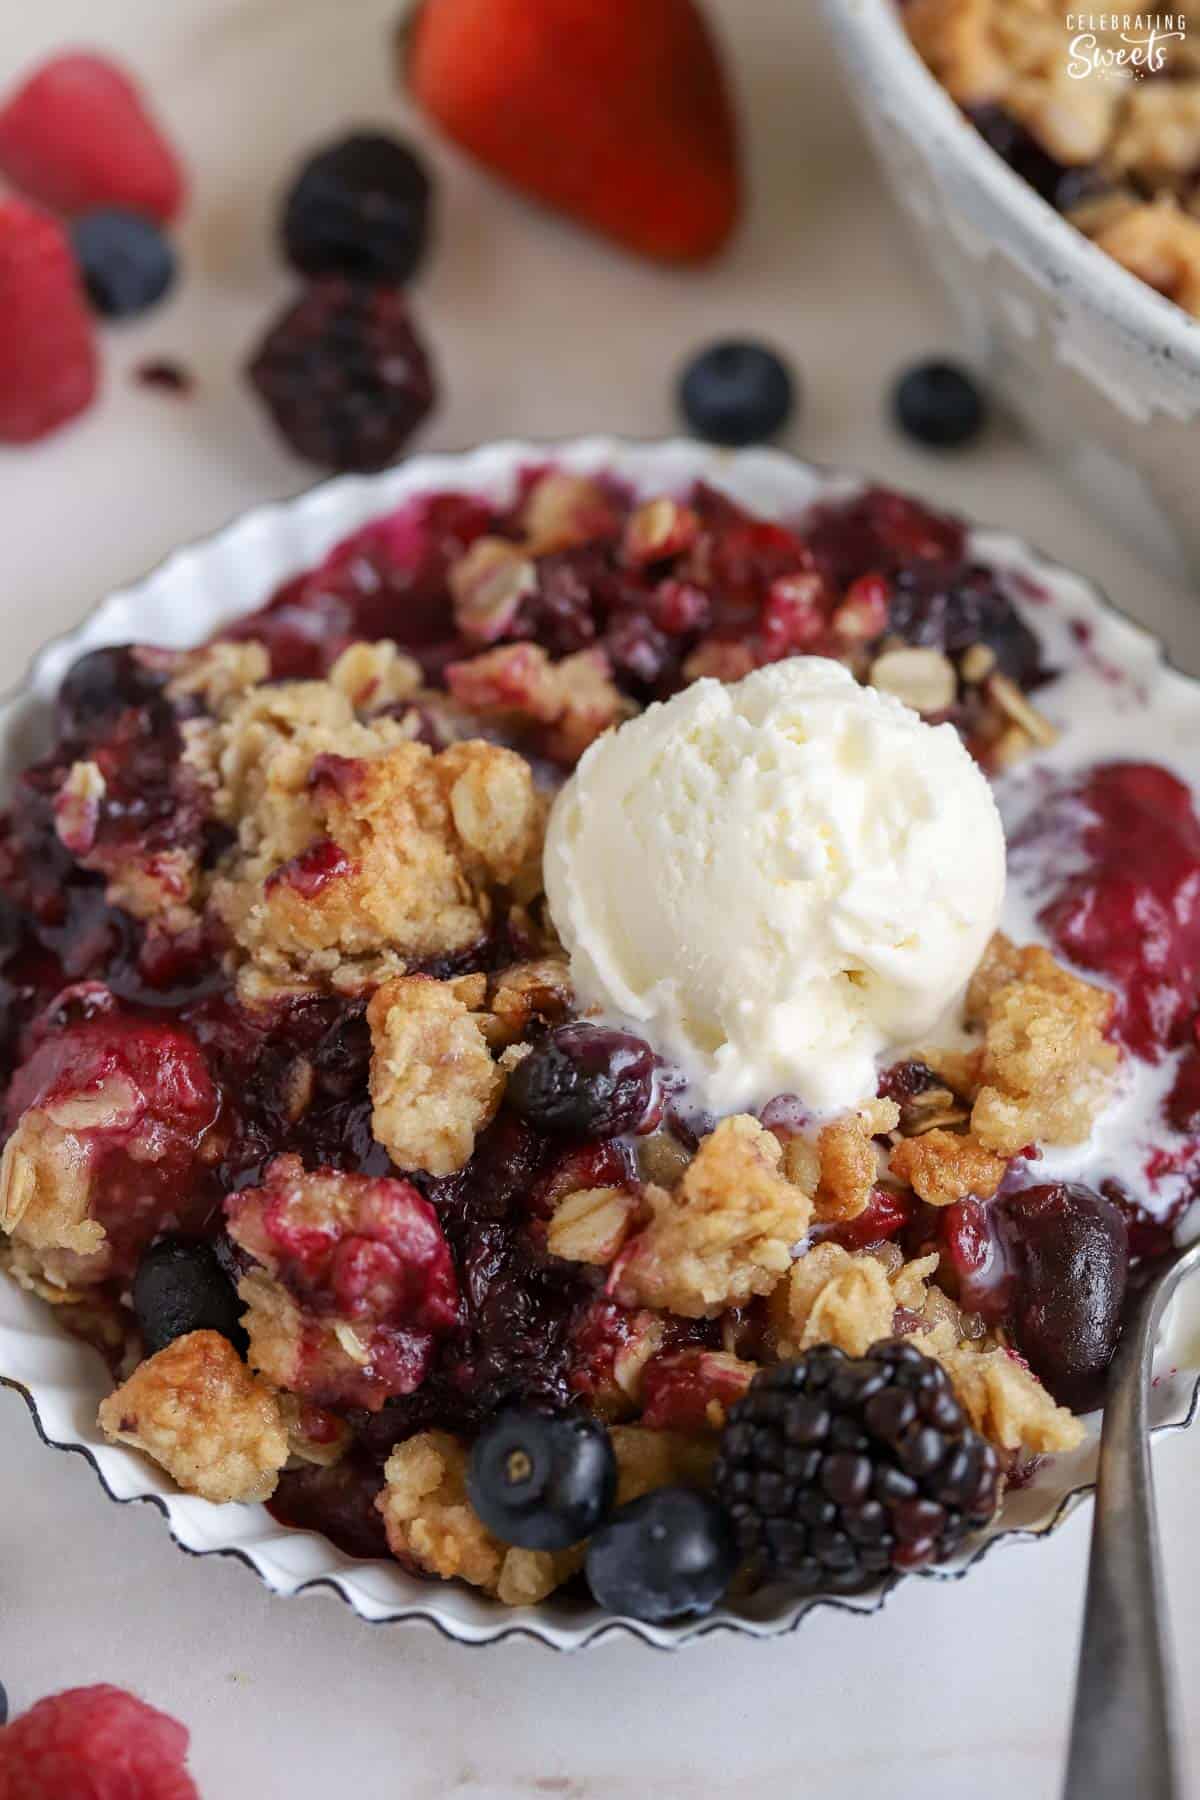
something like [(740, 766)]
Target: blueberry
[(939, 405), (124, 259), (358, 207), (179, 1287), (102, 685), (584, 1081), (669, 1555), (542, 1482), (3, 1705), (736, 393)]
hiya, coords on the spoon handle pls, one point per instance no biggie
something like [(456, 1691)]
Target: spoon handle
[(1124, 1737)]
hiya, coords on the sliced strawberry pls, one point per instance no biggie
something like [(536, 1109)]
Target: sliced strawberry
[(77, 135), (48, 366)]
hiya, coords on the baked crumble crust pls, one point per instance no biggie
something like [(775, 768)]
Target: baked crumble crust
[(1001, 1396), (195, 1409), (45, 1195), (218, 674), (1047, 1067), (724, 1234), (355, 856), (433, 1082), (590, 1225), (832, 1296), (375, 676), (848, 1158), (944, 1166)]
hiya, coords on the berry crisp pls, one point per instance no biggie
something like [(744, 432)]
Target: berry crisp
[(306, 1134)]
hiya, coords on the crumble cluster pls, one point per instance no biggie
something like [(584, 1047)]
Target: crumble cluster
[(1136, 141), (196, 1409)]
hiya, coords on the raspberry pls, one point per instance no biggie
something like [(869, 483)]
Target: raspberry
[(77, 135), (92, 1743), (344, 375), (836, 1468), (48, 367)]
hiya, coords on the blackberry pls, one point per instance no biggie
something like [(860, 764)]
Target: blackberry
[(835, 1469), (344, 375), (359, 207)]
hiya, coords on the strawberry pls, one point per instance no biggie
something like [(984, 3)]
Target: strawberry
[(615, 111), (77, 135), (48, 367)]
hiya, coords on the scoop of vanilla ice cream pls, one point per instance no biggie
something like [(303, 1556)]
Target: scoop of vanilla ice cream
[(776, 881)]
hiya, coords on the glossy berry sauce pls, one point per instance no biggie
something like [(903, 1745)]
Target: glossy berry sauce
[(93, 1000), (1131, 911)]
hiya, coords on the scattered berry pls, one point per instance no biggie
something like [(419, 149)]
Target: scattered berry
[(540, 1482), (1070, 1249), (92, 1743), (669, 1555), (180, 1287), (360, 207), (126, 262), (617, 114), (77, 135), (161, 372), (939, 405), (585, 1081), (736, 394), (836, 1468), (3, 1704), (344, 374), (48, 367)]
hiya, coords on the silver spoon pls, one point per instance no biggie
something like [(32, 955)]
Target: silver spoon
[(1125, 1739)]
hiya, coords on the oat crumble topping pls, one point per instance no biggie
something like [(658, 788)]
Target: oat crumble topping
[(197, 1410), (723, 1235)]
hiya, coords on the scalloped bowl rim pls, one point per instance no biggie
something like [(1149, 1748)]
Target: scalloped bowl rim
[(57, 1382)]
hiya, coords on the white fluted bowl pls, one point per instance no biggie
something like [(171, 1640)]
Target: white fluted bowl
[(184, 601)]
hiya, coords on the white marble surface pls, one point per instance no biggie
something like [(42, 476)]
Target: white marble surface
[(954, 1691)]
